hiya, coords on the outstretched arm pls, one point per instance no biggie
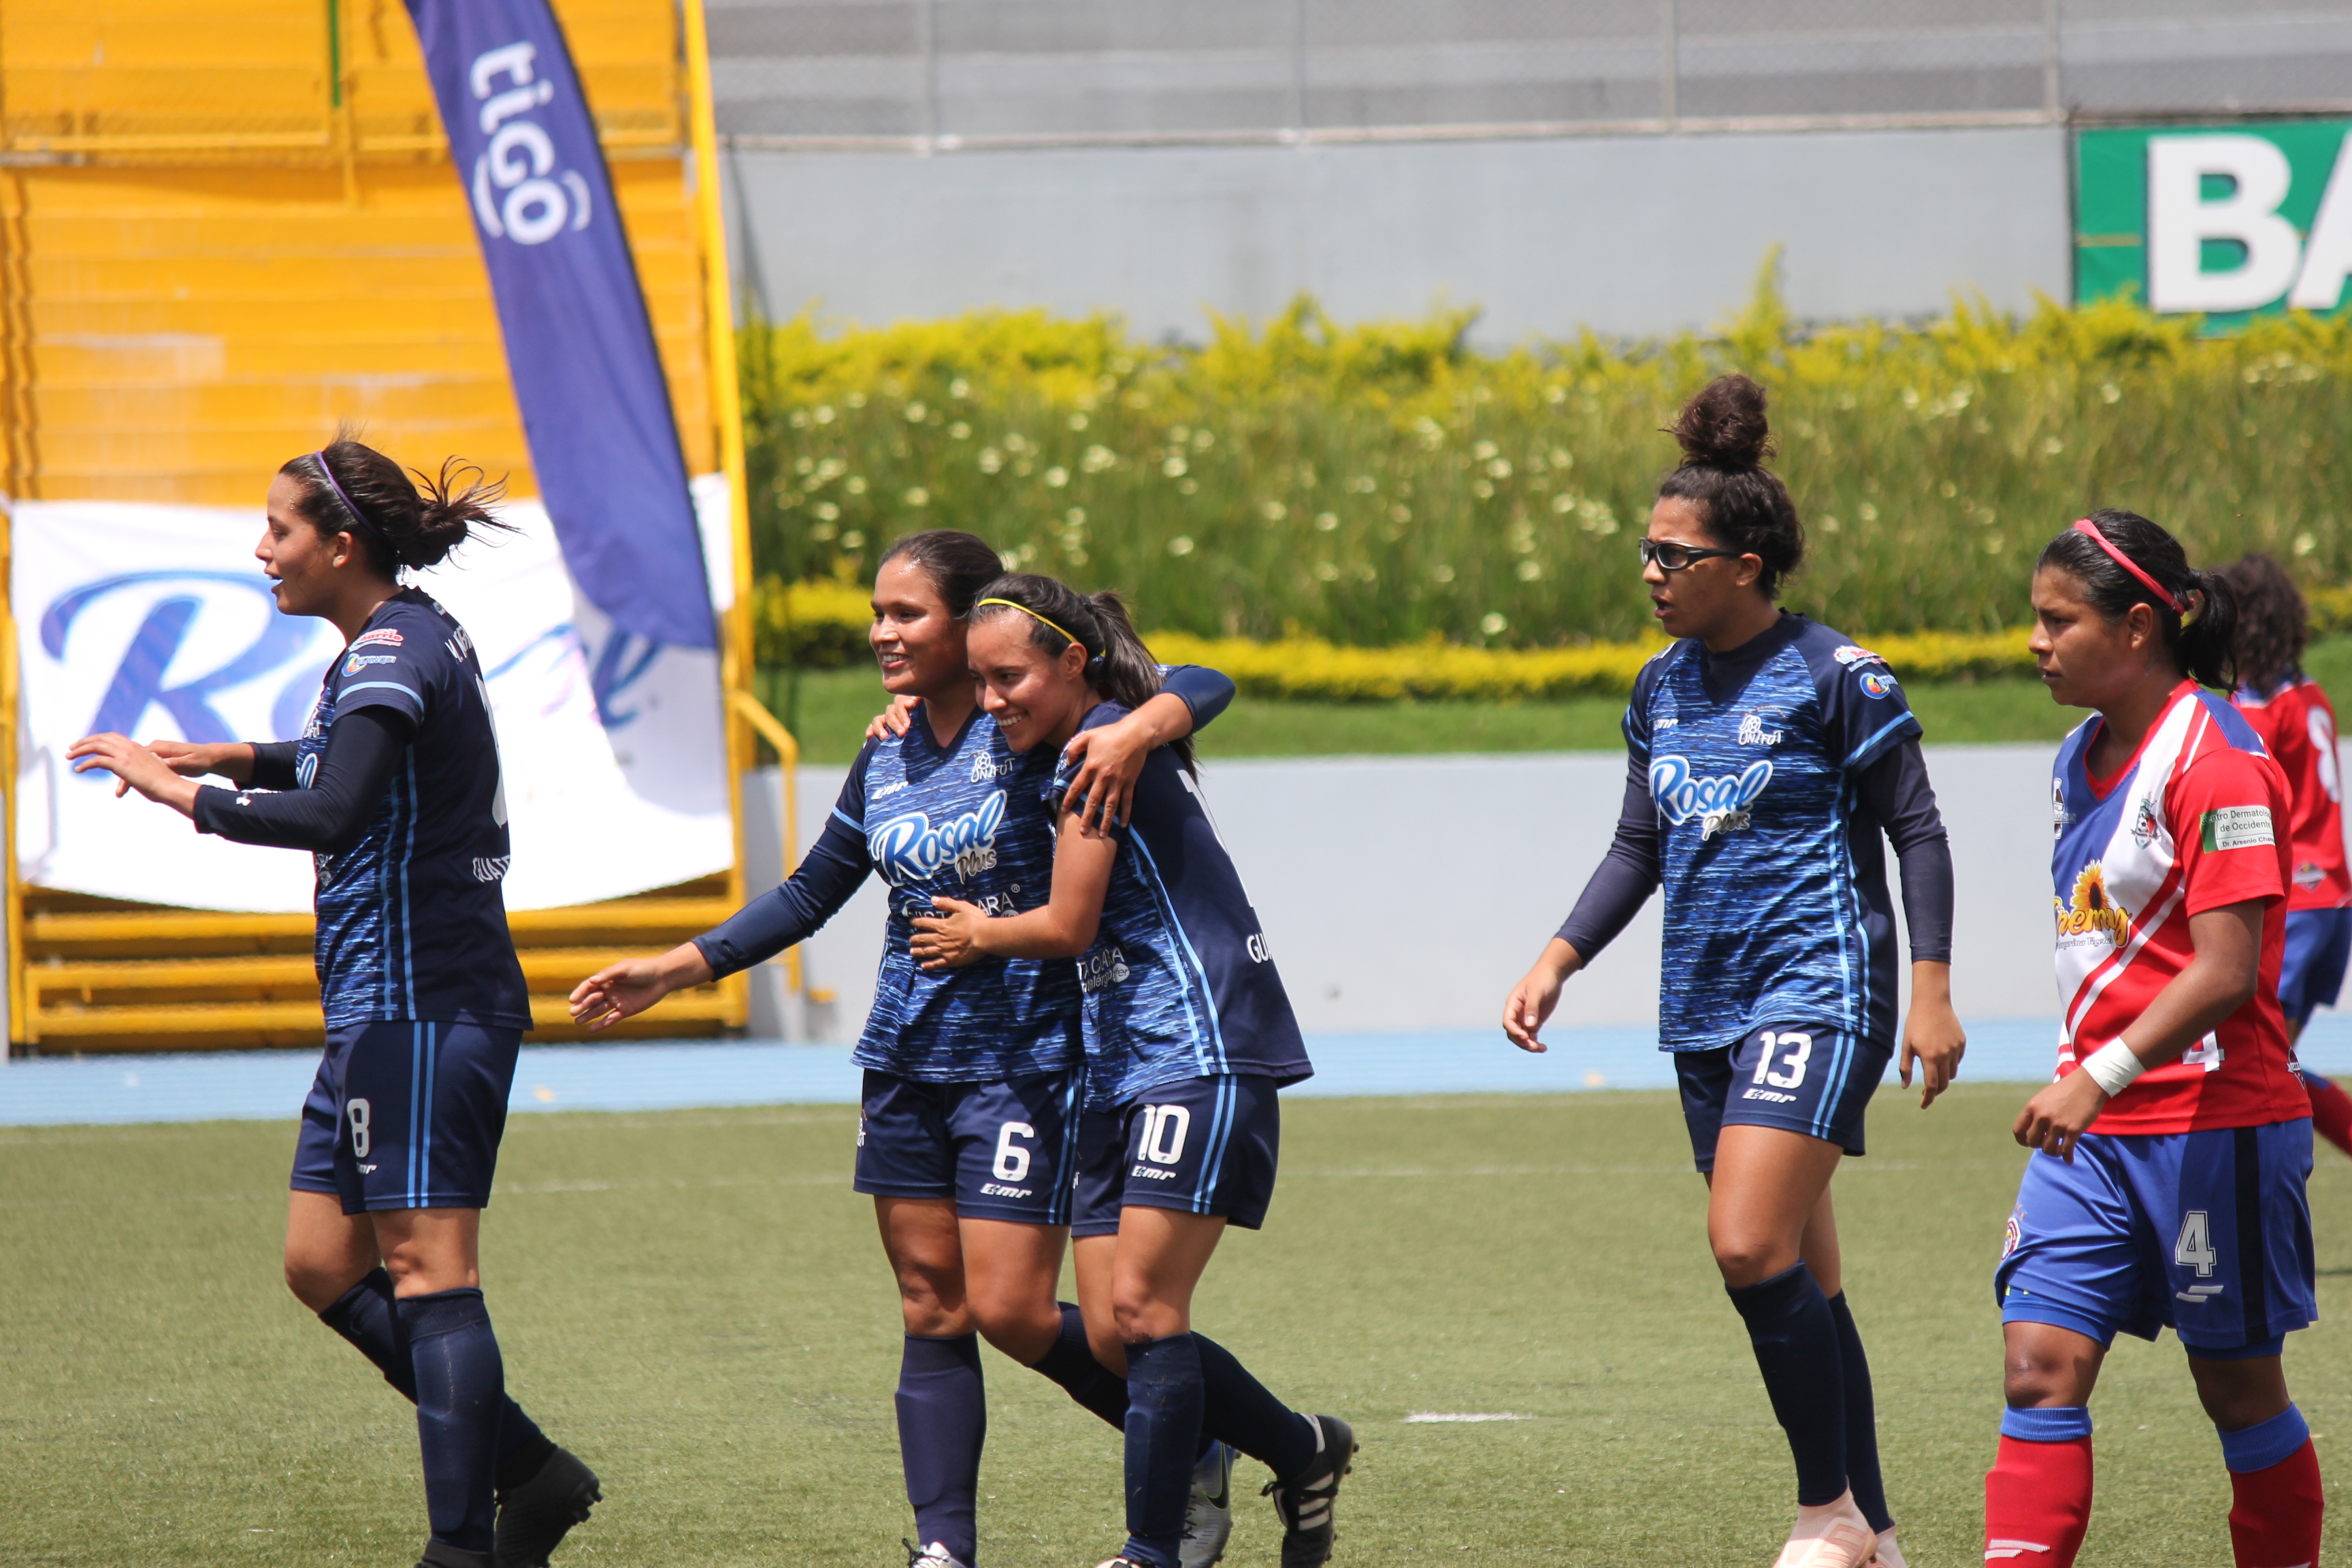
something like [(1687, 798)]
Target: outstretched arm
[(1063, 926), (362, 751)]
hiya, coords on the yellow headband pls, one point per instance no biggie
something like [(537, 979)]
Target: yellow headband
[(1032, 615)]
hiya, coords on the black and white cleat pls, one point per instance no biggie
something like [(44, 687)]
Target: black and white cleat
[(1304, 1502)]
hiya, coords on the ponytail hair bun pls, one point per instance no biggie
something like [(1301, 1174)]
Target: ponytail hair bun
[(349, 487), (1724, 439), (1724, 426)]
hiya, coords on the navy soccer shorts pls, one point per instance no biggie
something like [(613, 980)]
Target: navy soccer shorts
[(2206, 1233), (998, 1150), (1814, 1081), (1204, 1145), (2310, 975), (407, 1115)]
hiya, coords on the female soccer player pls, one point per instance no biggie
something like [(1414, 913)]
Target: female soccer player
[(2297, 726), (395, 787), (973, 1079), (1768, 755), (1188, 1035), (2167, 1183)]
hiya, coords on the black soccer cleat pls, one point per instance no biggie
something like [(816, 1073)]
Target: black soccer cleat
[(1303, 1503), (535, 1515), (441, 1554)]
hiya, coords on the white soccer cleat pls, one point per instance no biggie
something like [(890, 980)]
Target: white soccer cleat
[(1836, 1536), (1889, 1555), (935, 1555)]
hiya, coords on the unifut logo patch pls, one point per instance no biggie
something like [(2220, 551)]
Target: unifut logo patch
[(2093, 912), (908, 848), (1719, 805)]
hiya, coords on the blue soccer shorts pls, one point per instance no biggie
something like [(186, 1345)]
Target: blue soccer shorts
[(2208, 1234), (1203, 1145), (1814, 1081), (998, 1150), (2311, 974), (407, 1115)]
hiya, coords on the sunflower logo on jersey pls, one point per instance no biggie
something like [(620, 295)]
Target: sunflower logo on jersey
[(2093, 910)]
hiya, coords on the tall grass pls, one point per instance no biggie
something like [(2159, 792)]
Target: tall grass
[(1382, 483)]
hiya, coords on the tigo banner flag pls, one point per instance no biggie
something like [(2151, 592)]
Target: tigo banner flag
[(579, 345)]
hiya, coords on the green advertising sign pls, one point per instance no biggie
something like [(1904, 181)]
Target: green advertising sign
[(2228, 221)]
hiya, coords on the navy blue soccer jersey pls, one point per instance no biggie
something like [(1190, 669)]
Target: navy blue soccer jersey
[(1776, 901), (411, 922), (1179, 983)]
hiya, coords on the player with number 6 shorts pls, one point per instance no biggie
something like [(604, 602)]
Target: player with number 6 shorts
[(1188, 1034), (395, 787), (1770, 759), (2166, 1186)]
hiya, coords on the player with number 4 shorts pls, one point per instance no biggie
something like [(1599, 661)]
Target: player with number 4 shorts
[(2166, 1186), (1769, 761), (395, 786), (1188, 1033)]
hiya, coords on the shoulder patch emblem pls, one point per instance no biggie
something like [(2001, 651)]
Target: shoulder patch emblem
[(388, 636), (1877, 682), (1851, 655), (2237, 828)]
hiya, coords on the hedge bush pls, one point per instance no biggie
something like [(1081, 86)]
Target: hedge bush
[(1380, 485)]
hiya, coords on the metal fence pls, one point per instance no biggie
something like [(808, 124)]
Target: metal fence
[(940, 74)]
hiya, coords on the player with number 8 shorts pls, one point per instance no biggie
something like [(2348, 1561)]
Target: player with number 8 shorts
[(1189, 1034), (974, 1081), (395, 786), (2166, 1186), (1768, 758)]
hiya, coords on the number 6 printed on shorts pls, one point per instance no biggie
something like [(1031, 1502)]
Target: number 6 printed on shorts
[(1012, 1159), (1792, 1073)]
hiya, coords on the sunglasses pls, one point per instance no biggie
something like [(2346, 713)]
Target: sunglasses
[(1668, 556)]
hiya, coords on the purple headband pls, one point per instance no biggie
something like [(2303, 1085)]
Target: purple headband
[(358, 516)]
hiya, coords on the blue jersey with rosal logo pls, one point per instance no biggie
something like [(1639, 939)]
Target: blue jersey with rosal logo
[(1179, 983), (936, 823), (1776, 909), (411, 923)]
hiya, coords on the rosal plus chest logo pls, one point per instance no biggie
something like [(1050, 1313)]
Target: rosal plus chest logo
[(908, 848), (1719, 803), (2093, 910)]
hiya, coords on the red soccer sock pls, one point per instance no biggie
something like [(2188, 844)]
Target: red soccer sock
[(2038, 1493), (2331, 1111), (2275, 1513)]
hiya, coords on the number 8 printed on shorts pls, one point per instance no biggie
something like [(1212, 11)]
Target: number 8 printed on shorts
[(1800, 1051), (358, 1113)]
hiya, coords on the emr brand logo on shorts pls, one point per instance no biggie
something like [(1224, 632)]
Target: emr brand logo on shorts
[(908, 848), (1720, 804)]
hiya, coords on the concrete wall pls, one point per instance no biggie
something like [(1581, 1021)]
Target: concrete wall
[(1411, 893), (1626, 234)]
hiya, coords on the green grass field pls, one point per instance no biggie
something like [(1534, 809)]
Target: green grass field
[(696, 1303)]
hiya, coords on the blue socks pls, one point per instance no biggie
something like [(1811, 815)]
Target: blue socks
[(363, 1316), (942, 1422), (1860, 1422), (2047, 1422), (460, 1387), (1163, 1435), (1238, 1409), (1795, 1336), (2265, 1443), (1070, 1361)]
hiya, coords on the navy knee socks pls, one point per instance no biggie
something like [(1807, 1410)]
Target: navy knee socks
[(1795, 1337), (460, 1386), (1860, 1422), (363, 1316), (1238, 1409), (1070, 1361), (1163, 1433), (942, 1422)]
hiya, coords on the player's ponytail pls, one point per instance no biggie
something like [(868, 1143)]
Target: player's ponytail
[(1119, 666), (353, 489), (1724, 439), (2133, 562), (959, 564), (2273, 623)]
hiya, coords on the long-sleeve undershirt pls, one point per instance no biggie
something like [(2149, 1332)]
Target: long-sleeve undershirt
[(363, 749), (1892, 794)]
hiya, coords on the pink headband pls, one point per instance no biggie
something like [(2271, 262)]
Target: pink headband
[(2084, 525)]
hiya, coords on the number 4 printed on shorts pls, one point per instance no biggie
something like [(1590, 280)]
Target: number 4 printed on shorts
[(2194, 1250)]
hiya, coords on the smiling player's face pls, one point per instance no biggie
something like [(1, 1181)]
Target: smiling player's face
[(1033, 696), (306, 568), (2085, 659), (920, 646)]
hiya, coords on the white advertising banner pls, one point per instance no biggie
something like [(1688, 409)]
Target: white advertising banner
[(156, 621)]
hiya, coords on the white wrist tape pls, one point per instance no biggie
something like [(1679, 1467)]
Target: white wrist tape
[(2114, 1066)]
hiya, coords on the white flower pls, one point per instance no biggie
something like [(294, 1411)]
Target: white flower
[(852, 540), (1276, 511), (915, 412), (1078, 421), (991, 459), (1098, 458), (1326, 520), (1174, 467), (855, 484), (915, 495), (1529, 571), (1075, 517), (825, 413), (959, 388), (1180, 545), (827, 511), (1443, 573), (1493, 624), (1868, 512), (1484, 450), (960, 430), (1326, 572), (2304, 544), (1058, 476)]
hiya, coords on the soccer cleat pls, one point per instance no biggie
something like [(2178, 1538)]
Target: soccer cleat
[(441, 1554), (535, 1516), (935, 1555), (1209, 1516), (1833, 1536), (1122, 1563), (1889, 1555), (1303, 1503)]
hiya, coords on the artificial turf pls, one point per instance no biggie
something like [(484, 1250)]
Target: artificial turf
[(696, 1302)]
